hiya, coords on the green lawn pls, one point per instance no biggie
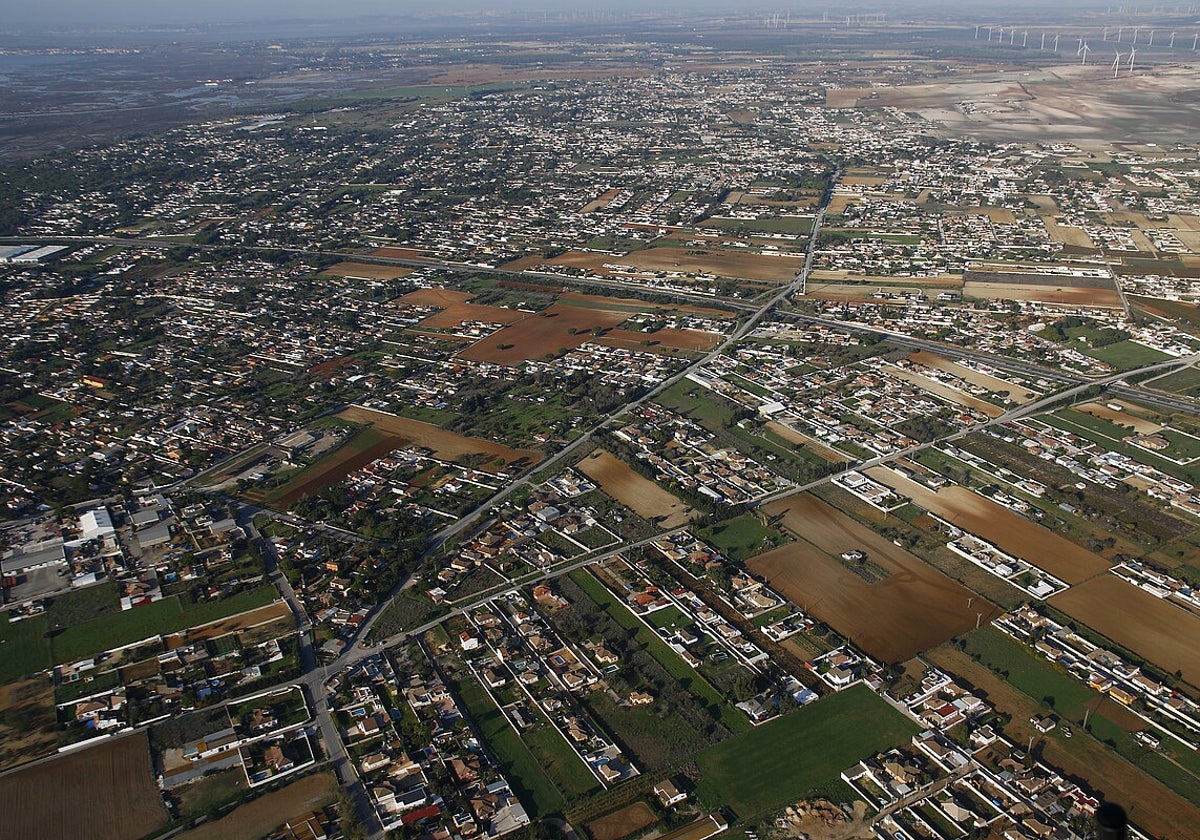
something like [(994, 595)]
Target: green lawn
[(169, 615), (536, 790), (742, 537), (563, 765), (1029, 672), (731, 718), (24, 648), (797, 225), (1125, 355), (778, 763)]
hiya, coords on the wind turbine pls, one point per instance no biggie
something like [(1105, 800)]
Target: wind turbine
[(1043, 46), (1135, 32), (1172, 44), (1116, 65), (1120, 29), (1151, 43), (1105, 36), (1024, 40), (1012, 36), (1084, 50), (1056, 43), (1132, 56), (977, 32), (1194, 39)]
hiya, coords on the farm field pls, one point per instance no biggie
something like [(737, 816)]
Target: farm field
[(110, 788), (1109, 774), (533, 336), (776, 764), (812, 444), (717, 261), (915, 608), (169, 615), (456, 308), (1010, 532), (28, 724), (622, 823), (642, 496), (1047, 294), (1133, 618), (992, 383), (368, 271), (446, 445), (260, 817), (946, 392), (24, 647), (243, 621), (1124, 417)]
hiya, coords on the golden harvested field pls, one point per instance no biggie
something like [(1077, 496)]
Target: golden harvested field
[(931, 360), (622, 823), (915, 608), (997, 524), (445, 444), (945, 391), (262, 816), (1124, 417), (1045, 294), (1067, 234), (642, 496), (1133, 618), (368, 271), (812, 444), (101, 792)]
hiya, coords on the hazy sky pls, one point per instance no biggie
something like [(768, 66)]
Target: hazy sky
[(84, 13), (90, 12)]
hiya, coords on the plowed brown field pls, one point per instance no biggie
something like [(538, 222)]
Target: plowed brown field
[(914, 609)]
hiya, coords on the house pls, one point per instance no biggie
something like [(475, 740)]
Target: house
[(668, 794), (640, 698)]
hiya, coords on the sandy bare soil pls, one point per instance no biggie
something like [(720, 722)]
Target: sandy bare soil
[(931, 360), (915, 608), (642, 496), (999, 525), (1140, 425), (946, 392)]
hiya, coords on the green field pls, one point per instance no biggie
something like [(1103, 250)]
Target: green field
[(1029, 672), (564, 766), (778, 763), (742, 537), (796, 225), (1186, 381), (1125, 355), (169, 615), (23, 648), (536, 790)]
